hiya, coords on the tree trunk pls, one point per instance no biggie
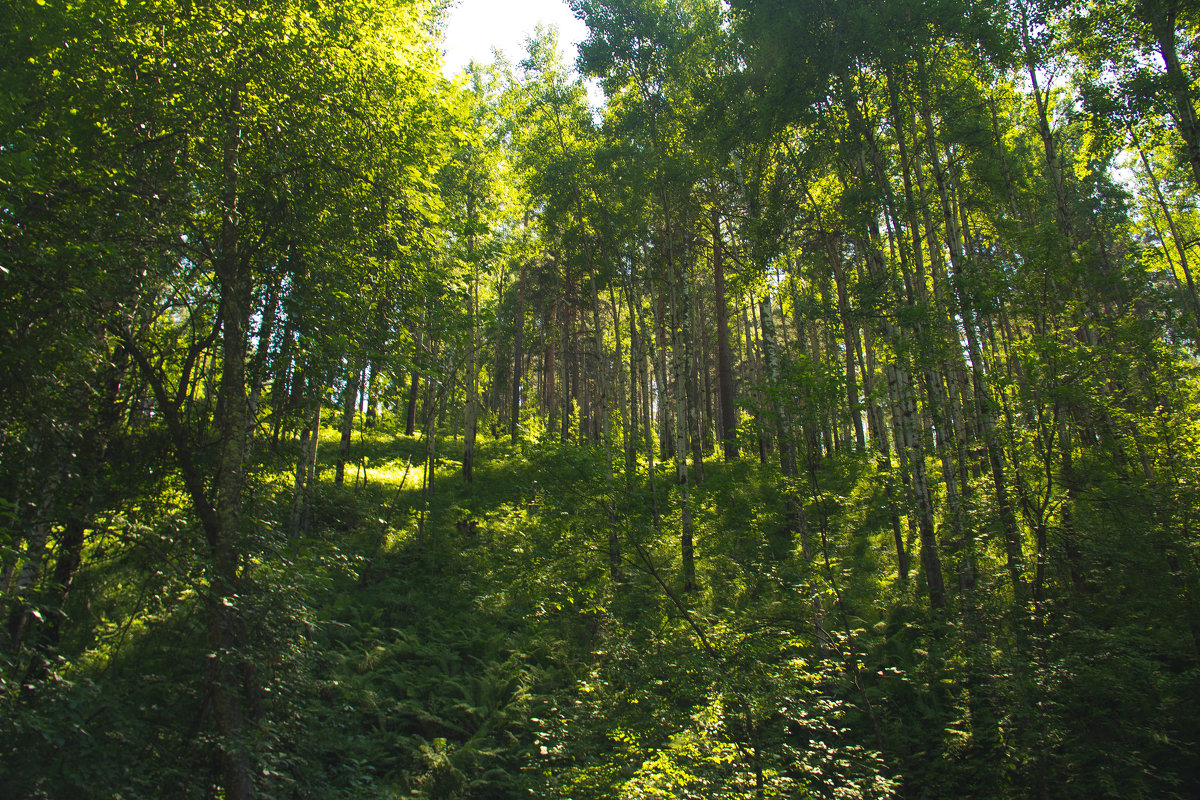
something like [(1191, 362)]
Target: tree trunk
[(645, 369), (1176, 239), (283, 392), (985, 405), (570, 374), (225, 626), (31, 563), (849, 337), (798, 522), (430, 470), (306, 467), (602, 385), (371, 395), (471, 413), (693, 391), (679, 335), (623, 383), (1186, 122), (410, 415), (912, 438), (266, 330), (549, 370), (755, 377), (518, 354), (349, 406), (666, 435), (94, 448)]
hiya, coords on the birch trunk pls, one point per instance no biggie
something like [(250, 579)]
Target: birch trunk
[(518, 348)]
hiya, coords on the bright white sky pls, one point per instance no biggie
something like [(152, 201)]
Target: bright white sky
[(476, 26)]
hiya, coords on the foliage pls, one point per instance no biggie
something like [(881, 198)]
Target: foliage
[(359, 425)]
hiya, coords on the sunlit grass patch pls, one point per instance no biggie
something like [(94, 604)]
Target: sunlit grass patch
[(397, 534), (402, 473)]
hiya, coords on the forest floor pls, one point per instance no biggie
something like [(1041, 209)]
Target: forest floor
[(492, 653)]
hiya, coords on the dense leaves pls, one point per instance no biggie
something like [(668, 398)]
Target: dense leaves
[(818, 418)]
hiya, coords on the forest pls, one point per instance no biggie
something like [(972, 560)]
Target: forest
[(819, 417)]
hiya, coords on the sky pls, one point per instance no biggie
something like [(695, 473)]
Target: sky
[(476, 26)]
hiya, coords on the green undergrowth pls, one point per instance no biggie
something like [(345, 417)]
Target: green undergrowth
[(499, 658), (492, 653)]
